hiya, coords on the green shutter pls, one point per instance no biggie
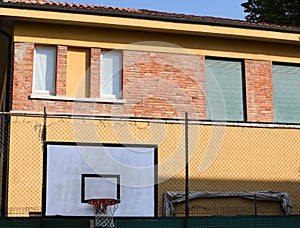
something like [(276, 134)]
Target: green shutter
[(224, 90), (286, 92)]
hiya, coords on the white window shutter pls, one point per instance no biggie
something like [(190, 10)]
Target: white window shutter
[(111, 74), (44, 70)]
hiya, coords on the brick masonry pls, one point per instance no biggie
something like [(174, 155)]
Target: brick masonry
[(259, 91), (61, 70), (95, 72), (164, 85), (155, 85), (22, 78)]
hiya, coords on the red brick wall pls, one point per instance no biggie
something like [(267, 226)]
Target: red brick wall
[(95, 72), (259, 90), (164, 85), (155, 85), (61, 70), (22, 78)]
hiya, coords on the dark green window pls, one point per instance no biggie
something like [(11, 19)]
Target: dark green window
[(286, 92), (224, 90)]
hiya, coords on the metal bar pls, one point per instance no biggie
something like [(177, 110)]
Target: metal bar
[(153, 120), (186, 171), (45, 126), (255, 205), (5, 157), (44, 138)]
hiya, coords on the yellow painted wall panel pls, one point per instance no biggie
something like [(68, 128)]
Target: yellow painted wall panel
[(156, 42), (77, 81), (239, 158), (25, 166), (148, 25)]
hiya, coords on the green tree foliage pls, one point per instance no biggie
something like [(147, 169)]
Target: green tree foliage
[(284, 12)]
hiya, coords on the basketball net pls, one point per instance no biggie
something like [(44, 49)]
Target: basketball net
[(104, 212)]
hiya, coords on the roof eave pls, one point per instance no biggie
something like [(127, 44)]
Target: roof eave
[(113, 13)]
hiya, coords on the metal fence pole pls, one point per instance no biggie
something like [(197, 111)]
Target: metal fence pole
[(5, 140), (44, 127), (186, 171), (44, 138)]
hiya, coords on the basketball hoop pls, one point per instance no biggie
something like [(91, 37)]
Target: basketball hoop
[(104, 210)]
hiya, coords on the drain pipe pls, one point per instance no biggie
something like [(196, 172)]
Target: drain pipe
[(6, 104)]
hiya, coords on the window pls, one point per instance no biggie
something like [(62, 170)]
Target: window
[(111, 74), (224, 90), (44, 70), (286, 93)]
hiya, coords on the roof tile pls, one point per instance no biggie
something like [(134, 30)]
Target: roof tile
[(27, 1)]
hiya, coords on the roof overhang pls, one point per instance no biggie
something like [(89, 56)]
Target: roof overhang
[(135, 21)]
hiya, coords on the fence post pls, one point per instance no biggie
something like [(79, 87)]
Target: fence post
[(5, 140), (44, 127), (255, 211), (44, 138), (255, 205), (186, 171)]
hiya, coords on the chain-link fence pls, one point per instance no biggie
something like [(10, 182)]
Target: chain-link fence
[(234, 169)]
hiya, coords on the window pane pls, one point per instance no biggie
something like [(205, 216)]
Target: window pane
[(224, 90), (111, 73), (44, 70), (286, 87)]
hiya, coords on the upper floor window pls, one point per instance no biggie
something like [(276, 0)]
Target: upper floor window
[(286, 93), (224, 90), (111, 74), (44, 70)]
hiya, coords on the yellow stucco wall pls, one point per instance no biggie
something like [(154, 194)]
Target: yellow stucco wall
[(77, 79), (108, 38), (248, 159), (25, 166)]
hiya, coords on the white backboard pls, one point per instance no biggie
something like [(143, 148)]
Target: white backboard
[(74, 173)]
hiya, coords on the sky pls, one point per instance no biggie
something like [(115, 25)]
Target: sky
[(216, 8)]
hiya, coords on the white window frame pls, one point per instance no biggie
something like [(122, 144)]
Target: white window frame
[(119, 75), (44, 92)]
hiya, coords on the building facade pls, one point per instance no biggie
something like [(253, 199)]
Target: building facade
[(127, 77)]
